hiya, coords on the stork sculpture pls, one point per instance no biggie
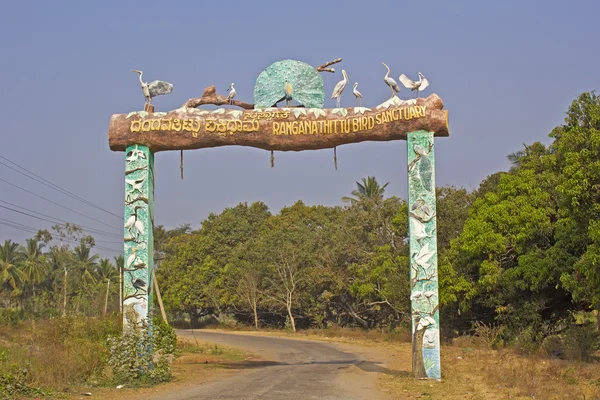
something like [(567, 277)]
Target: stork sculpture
[(154, 88), (231, 94), (417, 86), (390, 81), (357, 94), (339, 88)]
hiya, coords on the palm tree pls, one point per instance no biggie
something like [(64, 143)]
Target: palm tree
[(11, 276), (86, 271), (34, 264), (106, 273), (369, 188), (86, 264)]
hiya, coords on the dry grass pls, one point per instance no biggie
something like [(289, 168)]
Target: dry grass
[(477, 372), (57, 353)]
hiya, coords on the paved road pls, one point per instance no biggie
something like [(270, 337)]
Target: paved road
[(295, 369)]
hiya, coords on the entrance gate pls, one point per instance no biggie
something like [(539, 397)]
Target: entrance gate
[(307, 127)]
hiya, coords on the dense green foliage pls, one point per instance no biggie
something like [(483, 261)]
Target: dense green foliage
[(305, 266), (56, 274)]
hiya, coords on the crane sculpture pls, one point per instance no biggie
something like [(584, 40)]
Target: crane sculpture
[(153, 89), (390, 81), (357, 94), (231, 94), (339, 88), (417, 86)]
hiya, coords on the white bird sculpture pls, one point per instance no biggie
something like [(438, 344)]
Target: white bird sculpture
[(154, 88), (416, 295), (132, 257), (134, 222), (135, 154), (357, 94), (390, 81), (136, 184), (417, 86), (339, 88), (231, 94)]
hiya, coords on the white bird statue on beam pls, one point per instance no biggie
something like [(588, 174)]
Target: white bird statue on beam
[(417, 86), (339, 88), (357, 94), (390, 81), (231, 94), (154, 88)]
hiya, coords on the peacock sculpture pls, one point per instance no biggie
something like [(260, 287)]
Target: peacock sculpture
[(287, 80)]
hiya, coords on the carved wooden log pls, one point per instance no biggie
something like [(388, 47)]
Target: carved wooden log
[(281, 129)]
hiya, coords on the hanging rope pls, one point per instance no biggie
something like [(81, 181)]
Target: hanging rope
[(181, 165), (335, 157), (272, 159)]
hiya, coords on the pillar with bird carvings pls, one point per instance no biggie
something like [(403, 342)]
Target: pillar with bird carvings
[(139, 242), (423, 256)]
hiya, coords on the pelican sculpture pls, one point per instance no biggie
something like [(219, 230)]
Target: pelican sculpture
[(357, 94), (287, 90), (390, 81), (231, 94), (417, 86), (154, 88), (339, 88)]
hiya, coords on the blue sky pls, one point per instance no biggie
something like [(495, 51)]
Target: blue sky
[(507, 71)]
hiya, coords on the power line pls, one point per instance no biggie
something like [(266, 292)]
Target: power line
[(60, 205), (29, 229), (54, 186), (57, 220)]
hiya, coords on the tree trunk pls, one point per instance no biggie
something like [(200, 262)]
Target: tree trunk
[(418, 368), (106, 298), (255, 314), (289, 310), (65, 295), (597, 314)]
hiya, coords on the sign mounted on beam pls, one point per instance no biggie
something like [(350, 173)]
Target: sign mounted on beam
[(282, 129)]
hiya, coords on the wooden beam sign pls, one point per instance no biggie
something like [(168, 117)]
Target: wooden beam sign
[(281, 129)]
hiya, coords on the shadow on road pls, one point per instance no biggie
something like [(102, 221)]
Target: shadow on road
[(367, 366)]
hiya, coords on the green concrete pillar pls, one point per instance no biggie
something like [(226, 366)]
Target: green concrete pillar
[(423, 256), (139, 242)]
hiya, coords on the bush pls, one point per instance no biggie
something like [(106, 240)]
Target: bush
[(581, 341), (11, 316), (14, 383), (143, 356)]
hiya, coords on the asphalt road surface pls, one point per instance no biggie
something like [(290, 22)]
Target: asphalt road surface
[(290, 369)]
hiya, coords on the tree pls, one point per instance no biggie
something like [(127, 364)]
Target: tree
[(11, 276), (34, 264), (368, 188), (106, 273), (67, 235), (577, 149)]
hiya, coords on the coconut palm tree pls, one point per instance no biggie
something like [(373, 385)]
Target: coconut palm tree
[(11, 276), (369, 188), (86, 273), (106, 273), (34, 265)]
